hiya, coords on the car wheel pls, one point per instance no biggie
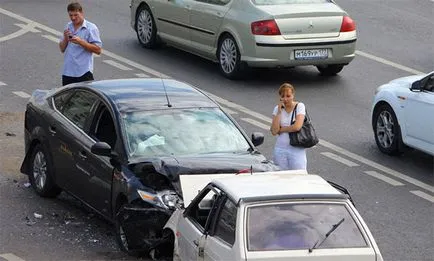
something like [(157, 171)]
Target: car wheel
[(387, 131), (329, 70), (121, 236), (41, 173), (145, 28), (229, 58)]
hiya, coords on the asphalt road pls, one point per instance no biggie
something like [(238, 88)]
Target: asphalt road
[(395, 195)]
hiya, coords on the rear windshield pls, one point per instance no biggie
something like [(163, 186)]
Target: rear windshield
[(291, 226), (286, 2)]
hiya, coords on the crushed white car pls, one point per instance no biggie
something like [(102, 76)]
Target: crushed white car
[(271, 216)]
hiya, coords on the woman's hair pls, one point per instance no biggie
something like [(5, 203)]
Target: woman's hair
[(286, 86)]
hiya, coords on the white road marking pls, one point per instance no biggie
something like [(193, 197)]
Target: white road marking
[(387, 62), (376, 166), (142, 75), (229, 110), (2, 84), (51, 38), (253, 113), (256, 123), (384, 178), (30, 27), (117, 65), (22, 94), (423, 194), (11, 257), (340, 159)]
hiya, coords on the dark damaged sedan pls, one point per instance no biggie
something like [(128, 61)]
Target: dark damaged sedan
[(121, 147)]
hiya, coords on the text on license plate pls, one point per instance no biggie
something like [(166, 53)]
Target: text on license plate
[(311, 54)]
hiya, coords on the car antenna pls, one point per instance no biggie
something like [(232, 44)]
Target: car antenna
[(165, 92)]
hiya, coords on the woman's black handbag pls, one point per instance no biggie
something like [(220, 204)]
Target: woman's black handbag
[(306, 136)]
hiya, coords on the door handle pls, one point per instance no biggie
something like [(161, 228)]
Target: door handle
[(52, 130), (196, 243), (82, 155)]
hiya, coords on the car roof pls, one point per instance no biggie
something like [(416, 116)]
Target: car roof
[(265, 186), (149, 94)]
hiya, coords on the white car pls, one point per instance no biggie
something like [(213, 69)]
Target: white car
[(403, 114), (271, 216)]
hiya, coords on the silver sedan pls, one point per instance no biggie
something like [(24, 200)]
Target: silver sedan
[(255, 33)]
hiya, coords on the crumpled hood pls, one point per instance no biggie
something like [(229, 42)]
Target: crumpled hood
[(173, 167)]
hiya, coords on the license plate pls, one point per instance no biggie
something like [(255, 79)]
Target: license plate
[(311, 54)]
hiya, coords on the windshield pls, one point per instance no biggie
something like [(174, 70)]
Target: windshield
[(181, 132), (286, 2), (291, 226)]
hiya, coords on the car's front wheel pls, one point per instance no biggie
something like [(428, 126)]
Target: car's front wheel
[(387, 131), (145, 28), (41, 173), (229, 58), (330, 70)]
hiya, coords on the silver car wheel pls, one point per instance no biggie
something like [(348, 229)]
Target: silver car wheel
[(40, 170), (144, 26), (123, 237), (228, 55), (385, 129)]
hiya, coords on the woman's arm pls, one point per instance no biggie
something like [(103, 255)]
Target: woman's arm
[(275, 124), (299, 119)]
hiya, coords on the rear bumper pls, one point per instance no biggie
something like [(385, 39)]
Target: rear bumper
[(275, 52)]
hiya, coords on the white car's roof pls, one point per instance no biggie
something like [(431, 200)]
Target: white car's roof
[(275, 185)]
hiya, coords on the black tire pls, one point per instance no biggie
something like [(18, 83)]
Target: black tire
[(387, 131), (146, 29), (330, 70), (121, 237), (40, 171), (228, 55)]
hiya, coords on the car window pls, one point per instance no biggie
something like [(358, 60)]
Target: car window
[(226, 222), (285, 2), (103, 128), (77, 108), (200, 211), (61, 98), (182, 132), (215, 2), (289, 226), (429, 86)]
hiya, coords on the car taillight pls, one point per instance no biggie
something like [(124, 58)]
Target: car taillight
[(265, 27), (348, 24)]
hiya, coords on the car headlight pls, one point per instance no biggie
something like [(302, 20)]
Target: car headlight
[(166, 199)]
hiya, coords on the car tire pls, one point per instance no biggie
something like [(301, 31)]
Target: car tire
[(330, 70), (387, 131), (121, 237), (146, 29), (41, 173), (229, 58)]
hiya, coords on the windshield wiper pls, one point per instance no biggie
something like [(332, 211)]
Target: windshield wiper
[(334, 227)]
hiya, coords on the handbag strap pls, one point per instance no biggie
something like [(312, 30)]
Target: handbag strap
[(294, 112)]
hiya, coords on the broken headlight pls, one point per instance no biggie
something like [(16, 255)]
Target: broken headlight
[(166, 199)]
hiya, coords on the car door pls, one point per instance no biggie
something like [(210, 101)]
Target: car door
[(99, 169), (194, 223), (218, 244), (72, 113), (418, 117), (206, 17), (173, 18)]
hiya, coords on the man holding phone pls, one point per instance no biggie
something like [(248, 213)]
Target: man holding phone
[(80, 40)]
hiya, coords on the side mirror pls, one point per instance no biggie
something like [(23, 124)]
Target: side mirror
[(416, 86), (257, 138), (101, 149)]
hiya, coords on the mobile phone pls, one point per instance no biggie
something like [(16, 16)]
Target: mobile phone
[(69, 36)]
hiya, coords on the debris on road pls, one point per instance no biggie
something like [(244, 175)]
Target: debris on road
[(37, 215), (10, 134)]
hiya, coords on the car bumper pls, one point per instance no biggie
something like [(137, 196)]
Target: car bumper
[(268, 52)]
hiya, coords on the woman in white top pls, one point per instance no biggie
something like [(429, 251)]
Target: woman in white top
[(288, 157)]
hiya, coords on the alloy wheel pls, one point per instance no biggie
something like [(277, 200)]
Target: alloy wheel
[(123, 237), (144, 26), (385, 129), (228, 55), (40, 170)]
